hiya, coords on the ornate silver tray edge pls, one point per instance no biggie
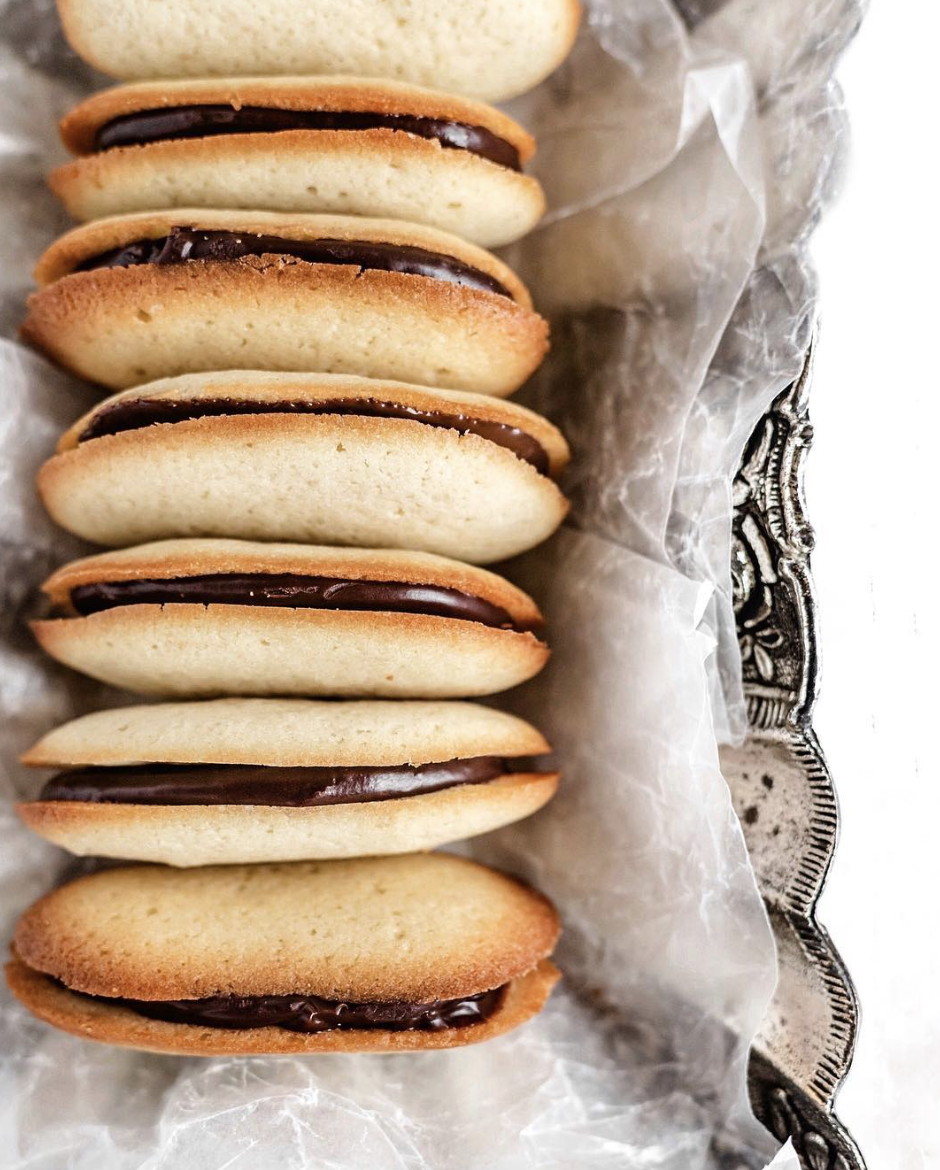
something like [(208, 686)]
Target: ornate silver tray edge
[(783, 791)]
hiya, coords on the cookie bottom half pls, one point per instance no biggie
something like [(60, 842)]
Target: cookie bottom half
[(191, 835), (93, 1018)]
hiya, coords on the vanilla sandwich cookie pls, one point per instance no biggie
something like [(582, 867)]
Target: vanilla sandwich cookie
[(144, 296), (310, 144), (310, 457), (384, 954), (494, 49), (217, 617), (249, 780)]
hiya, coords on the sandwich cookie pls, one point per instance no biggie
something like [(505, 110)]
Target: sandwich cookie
[(310, 457), (217, 617), (310, 144), (486, 48), (144, 296), (251, 780), (384, 954)]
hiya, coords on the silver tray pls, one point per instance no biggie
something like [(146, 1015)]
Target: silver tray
[(783, 793)]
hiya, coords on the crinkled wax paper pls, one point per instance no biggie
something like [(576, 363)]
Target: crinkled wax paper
[(687, 149)]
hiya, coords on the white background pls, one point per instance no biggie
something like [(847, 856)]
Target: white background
[(873, 497)]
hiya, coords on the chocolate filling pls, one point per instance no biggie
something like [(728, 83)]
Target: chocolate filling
[(303, 787), (135, 413), (211, 120), (185, 243), (296, 591), (310, 1013)]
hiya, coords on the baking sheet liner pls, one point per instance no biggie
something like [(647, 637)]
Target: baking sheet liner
[(687, 152)]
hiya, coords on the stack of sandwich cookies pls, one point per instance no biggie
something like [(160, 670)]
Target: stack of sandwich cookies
[(256, 780), (302, 144), (217, 617), (316, 457), (285, 277), (486, 48), (150, 295), (374, 955)]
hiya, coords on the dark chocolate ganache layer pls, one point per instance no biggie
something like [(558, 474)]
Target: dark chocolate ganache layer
[(297, 787), (310, 1013), (207, 121), (184, 244), (135, 413), (295, 591)]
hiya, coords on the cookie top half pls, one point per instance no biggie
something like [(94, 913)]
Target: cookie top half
[(180, 560), (413, 928), (286, 733), (527, 434), (149, 111), (185, 234)]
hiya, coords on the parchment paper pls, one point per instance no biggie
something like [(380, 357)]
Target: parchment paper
[(687, 155)]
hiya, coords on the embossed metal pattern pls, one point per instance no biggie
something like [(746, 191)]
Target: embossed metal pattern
[(783, 792)]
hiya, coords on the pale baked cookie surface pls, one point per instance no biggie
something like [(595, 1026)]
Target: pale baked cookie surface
[(334, 929), (166, 646), (492, 49), (146, 822), (164, 157), (286, 732), (420, 929), (300, 472), (446, 313)]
